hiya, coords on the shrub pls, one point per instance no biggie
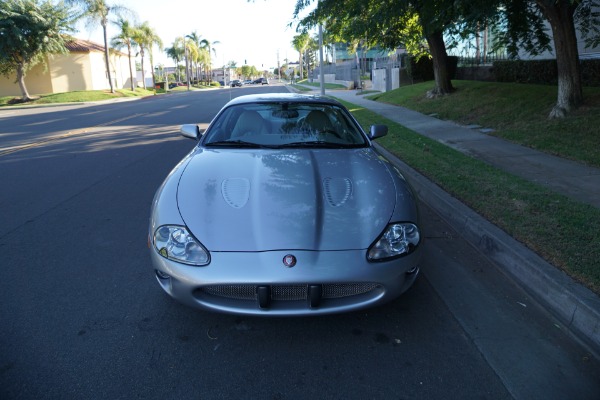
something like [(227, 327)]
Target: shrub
[(543, 72)]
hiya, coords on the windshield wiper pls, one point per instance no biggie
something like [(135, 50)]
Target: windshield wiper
[(235, 143)]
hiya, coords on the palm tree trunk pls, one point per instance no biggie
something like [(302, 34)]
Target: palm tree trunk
[(143, 72), (112, 89), (130, 69), (152, 70)]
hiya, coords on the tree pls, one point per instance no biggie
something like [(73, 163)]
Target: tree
[(125, 39), (146, 38), (202, 54), (300, 43), (522, 27), (97, 12), (383, 23), (189, 51), (560, 15), (30, 31), (210, 47), (175, 53)]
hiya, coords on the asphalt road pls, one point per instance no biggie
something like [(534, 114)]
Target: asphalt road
[(81, 315)]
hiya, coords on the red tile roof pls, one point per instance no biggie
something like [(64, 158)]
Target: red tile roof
[(85, 46)]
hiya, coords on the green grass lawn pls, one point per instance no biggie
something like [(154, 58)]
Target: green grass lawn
[(561, 230), (317, 84), (517, 112), (77, 97)]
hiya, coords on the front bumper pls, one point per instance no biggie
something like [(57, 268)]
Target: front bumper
[(260, 284)]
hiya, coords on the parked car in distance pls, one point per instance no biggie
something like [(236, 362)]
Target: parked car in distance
[(176, 84), (284, 208), (260, 81), (236, 82)]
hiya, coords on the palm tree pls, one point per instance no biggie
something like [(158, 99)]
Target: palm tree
[(195, 39), (189, 50), (176, 54), (203, 62), (300, 43), (210, 47), (125, 39), (96, 12), (146, 38)]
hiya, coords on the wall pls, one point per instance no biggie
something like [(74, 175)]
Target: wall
[(37, 81), (70, 72)]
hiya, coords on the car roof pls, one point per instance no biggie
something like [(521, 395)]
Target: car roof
[(283, 98)]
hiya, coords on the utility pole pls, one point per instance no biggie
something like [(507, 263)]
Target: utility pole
[(321, 63), (278, 67)]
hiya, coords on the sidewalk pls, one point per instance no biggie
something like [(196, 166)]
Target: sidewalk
[(574, 305)]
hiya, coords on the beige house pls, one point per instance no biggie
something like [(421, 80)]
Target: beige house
[(83, 68)]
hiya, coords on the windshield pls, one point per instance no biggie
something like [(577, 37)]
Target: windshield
[(279, 125)]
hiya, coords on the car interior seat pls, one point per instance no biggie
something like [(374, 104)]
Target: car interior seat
[(249, 122), (318, 121)]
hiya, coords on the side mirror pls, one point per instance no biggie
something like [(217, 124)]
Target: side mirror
[(193, 131), (378, 131)]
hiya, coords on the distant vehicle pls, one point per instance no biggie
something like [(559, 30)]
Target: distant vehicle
[(175, 84), (261, 81), (247, 82), (236, 82)]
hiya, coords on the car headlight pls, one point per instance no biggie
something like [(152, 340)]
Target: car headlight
[(398, 239), (177, 243)]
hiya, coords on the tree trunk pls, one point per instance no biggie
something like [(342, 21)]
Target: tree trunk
[(106, 59), (130, 69), (21, 80), (151, 57), (437, 47), (570, 93), (300, 59), (142, 64)]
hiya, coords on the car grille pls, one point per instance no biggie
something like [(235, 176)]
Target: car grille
[(289, 292)]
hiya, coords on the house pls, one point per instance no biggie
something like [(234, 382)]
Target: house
[(225, 74), (83, 68)]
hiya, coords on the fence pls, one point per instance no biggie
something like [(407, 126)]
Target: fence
[(358, 71), (476, 59)]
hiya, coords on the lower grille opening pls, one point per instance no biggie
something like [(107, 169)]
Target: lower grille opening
[(288, 292)]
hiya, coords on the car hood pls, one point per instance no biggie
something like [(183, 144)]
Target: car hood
[(247, 200)]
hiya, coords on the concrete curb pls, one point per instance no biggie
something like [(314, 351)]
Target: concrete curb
[(572, 304)]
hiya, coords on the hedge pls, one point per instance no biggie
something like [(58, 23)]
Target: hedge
[(543, 72)]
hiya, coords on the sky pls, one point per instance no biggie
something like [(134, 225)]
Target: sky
[(257, 32)]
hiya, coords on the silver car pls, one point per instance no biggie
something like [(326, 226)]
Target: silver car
[(284, 208)]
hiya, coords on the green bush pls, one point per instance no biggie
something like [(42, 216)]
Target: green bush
[(590, 72), (544, 72), (531, 71)]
